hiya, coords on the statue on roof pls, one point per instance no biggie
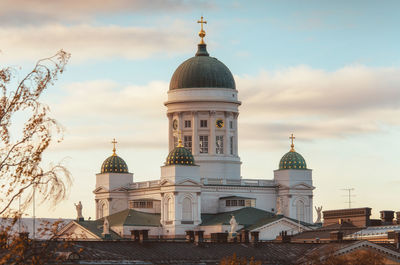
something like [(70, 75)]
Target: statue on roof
[(79, 211), (318, 209), (106, 227), (234, 224)]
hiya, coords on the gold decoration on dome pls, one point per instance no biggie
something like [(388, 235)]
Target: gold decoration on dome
[(114, 142), (179, 139), (202, 33), (292, 145)]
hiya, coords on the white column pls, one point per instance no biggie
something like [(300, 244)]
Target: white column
[(211, 149), (170, 132), (198, 219), (235, 140), (195, 134), (226, 137), (180, 122)]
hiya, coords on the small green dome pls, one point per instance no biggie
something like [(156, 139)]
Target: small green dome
[(180, 156), (114, 164), (292, 160), (202, 71)]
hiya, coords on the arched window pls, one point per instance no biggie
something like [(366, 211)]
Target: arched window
[(187, 214), (300, 210), (169, 209), (102, 209)]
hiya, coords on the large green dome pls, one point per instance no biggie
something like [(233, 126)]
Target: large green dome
[(292, 160), (202, 71), (180, 156), (114, 164)]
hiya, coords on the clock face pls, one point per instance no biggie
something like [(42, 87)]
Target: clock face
[(175, 124), (219, 123)]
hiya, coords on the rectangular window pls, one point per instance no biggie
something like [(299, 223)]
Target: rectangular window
[(203, 123), (188, 123), (203, 144), (231, 145), (230, 124), (140, 204), (219, 144), (234, 203), (227, 203), (187, 142), (241, 203)]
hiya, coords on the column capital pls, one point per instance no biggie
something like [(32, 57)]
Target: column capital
[(212, 112), (194, 112)]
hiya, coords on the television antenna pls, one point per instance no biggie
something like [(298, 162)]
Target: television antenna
[(349, 195)]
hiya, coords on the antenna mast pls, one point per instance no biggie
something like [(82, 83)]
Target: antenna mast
[(349, 196)]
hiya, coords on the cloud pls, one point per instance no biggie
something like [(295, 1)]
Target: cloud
[(316, 103), (95, 111), (87, 42), (17, 12), (311, 103)]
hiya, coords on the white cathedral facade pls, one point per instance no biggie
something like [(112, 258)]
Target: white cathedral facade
[(201, 179)]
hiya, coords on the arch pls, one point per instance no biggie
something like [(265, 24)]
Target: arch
[(300, 210), (187, 209), (169, 209), (102, 209)]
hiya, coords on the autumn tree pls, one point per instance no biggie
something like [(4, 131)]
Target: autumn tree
[(26, 131), (235, 260), (329, 256), (22, 149)]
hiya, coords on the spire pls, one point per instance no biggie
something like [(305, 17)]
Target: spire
[(202, 33), (179, 139), (114, 142), (202, 47), (292, 145)]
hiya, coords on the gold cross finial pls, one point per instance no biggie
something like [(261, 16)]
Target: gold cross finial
[(114, 142), (202, 33), (179, 139), (292, 145)]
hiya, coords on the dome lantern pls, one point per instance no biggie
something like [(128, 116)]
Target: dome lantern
[(202, 71)]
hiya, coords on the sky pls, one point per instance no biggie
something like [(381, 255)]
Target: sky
[(327, 71)]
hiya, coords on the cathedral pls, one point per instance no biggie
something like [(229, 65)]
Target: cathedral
[(200, 185)]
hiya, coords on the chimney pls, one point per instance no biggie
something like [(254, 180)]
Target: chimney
[(190, 236), (397, 239), (245, 236), (254, 237), (143, 235), (135, 235), (387, 217), (198, 237), (336, 236), (398, 218), (219, 237), (283, 237)]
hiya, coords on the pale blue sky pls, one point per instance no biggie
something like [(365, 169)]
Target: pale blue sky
[(329, 71)]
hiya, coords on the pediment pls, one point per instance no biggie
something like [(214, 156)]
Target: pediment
[(74, 230), (166, 182), (282, 222), (302, 186), (188, 182), (100, 189)]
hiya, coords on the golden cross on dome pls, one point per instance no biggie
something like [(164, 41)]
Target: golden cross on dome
[(292, 145), (179, 139), (114, 142), (202, 33)]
